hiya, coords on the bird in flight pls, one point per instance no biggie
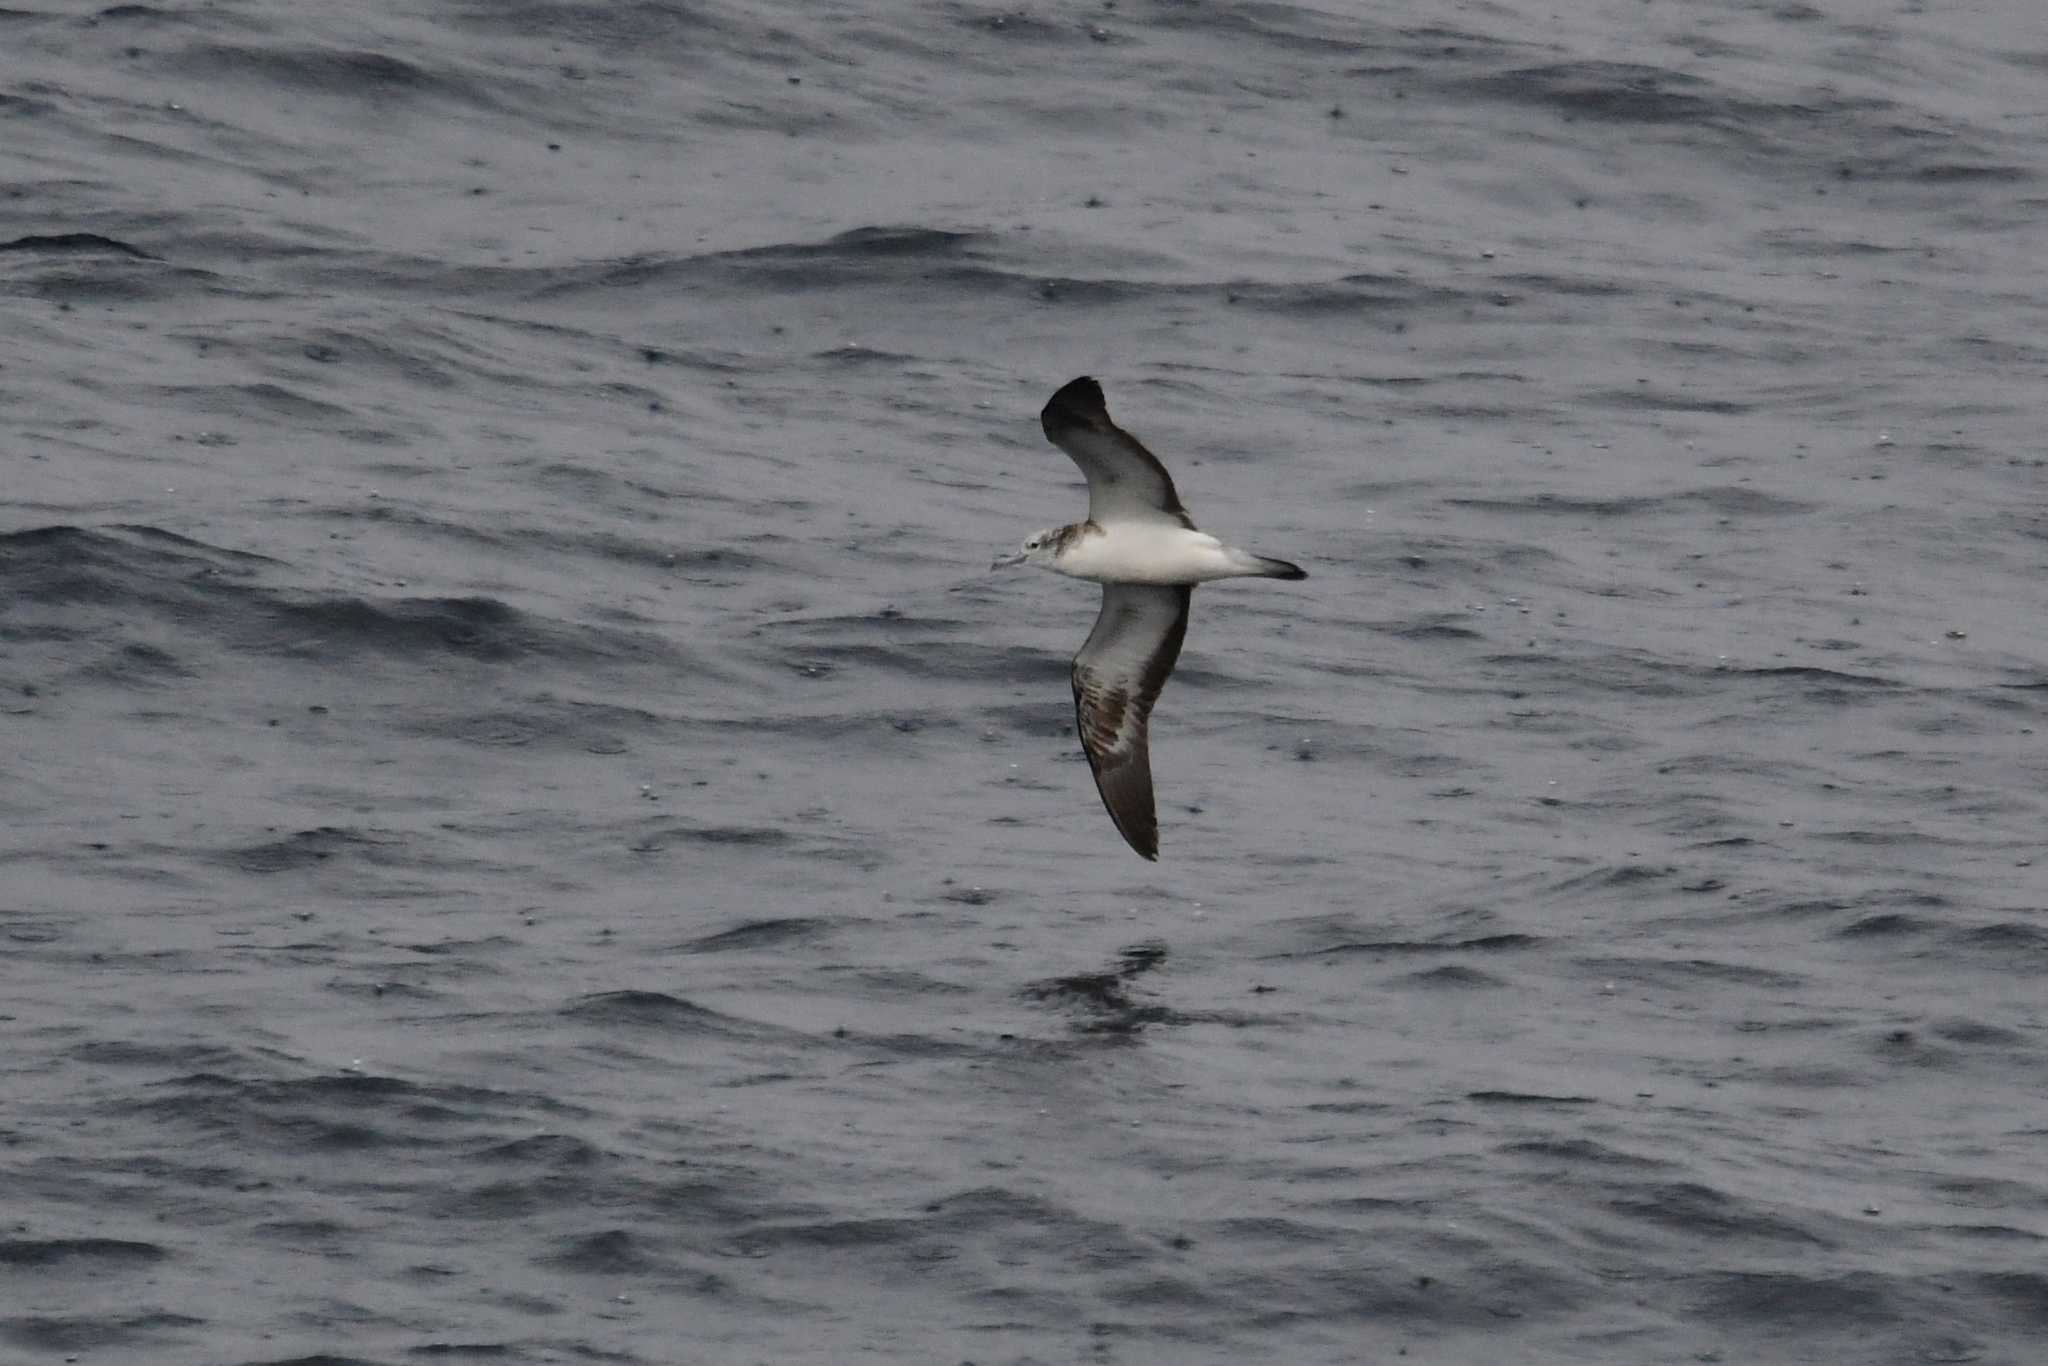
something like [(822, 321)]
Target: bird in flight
[(1139, 543)]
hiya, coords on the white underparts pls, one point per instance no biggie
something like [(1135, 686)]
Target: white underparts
[(1152, 552)]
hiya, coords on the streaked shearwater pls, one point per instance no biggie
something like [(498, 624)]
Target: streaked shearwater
[(1140, 544)]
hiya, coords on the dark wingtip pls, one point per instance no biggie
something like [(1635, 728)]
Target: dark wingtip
[(1079, 403), (1281, 569)]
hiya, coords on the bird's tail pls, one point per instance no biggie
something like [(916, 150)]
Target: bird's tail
[(1264, 566)]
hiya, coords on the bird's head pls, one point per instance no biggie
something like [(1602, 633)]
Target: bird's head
[(1040, 547)]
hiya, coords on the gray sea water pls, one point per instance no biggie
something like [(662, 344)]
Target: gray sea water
[(528, 833)]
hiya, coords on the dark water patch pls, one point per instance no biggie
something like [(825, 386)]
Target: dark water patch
[(69, 242), (903, 1237), (1294, 29), (565, 1193), (1977, 1033), (1922, 171), (1578, 286), (932, 260), (1648, 398), (1525, 1098), (611, 546), (1806, 242), (334, 629), (1442, 626), (885, 730), (1623, 877), (1104, 999), (1581, 1152), (1380, 1288), (1986, 1192), (2021, 1295), (137, 1053), (1995, 1233), (317, 1235), (308, 849), (1617, 92), (136, 665), (1449, 977), (376, 78), (857, 257), (756, 935), (1724, 500), (2019, 943), (654, 1010), (1796, 135), (1699, 1211), (1803, 1024), (1486, 943), (937, 660), (1876, 924), (53, 1333), (719, 1197), (660, 836), (1350, 1107), (545, 1150), (1179, 1295), (1833, 681), (633, 26), (462, 1351), (1753, 1300), (550, 722), (883, 983), (147, 16), (1017, 25), (1539, 673), (1353, 294), (338, 1113), (854, 354), (613, 1252), (23, 106), (362, 354), (90, 1255), (812, 838), (1028, 1225), (917, 1046), (71, 566), (1897, 837), (1679, 973), (259, 401)]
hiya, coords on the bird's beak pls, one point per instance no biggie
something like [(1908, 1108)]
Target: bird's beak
[(1005, 561)]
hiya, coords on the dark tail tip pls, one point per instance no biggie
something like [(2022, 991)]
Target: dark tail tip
[(1281, 569)]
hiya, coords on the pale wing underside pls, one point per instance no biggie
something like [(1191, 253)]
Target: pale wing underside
[(1125, 481), (1117, 678)]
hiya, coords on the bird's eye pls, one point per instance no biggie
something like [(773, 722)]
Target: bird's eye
[(1031, 544)]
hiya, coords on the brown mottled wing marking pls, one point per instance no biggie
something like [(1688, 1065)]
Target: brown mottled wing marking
[(1117, 678), (1126, 482)]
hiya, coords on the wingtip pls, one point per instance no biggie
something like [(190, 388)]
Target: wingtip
[(1078, 403), (1139, 826)]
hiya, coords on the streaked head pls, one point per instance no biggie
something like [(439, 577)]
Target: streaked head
[(1040, 547)]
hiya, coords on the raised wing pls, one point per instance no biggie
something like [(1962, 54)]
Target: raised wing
[(1117, 678), (1126, 482)]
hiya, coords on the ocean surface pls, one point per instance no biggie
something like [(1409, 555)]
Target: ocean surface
[(529, 833)]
